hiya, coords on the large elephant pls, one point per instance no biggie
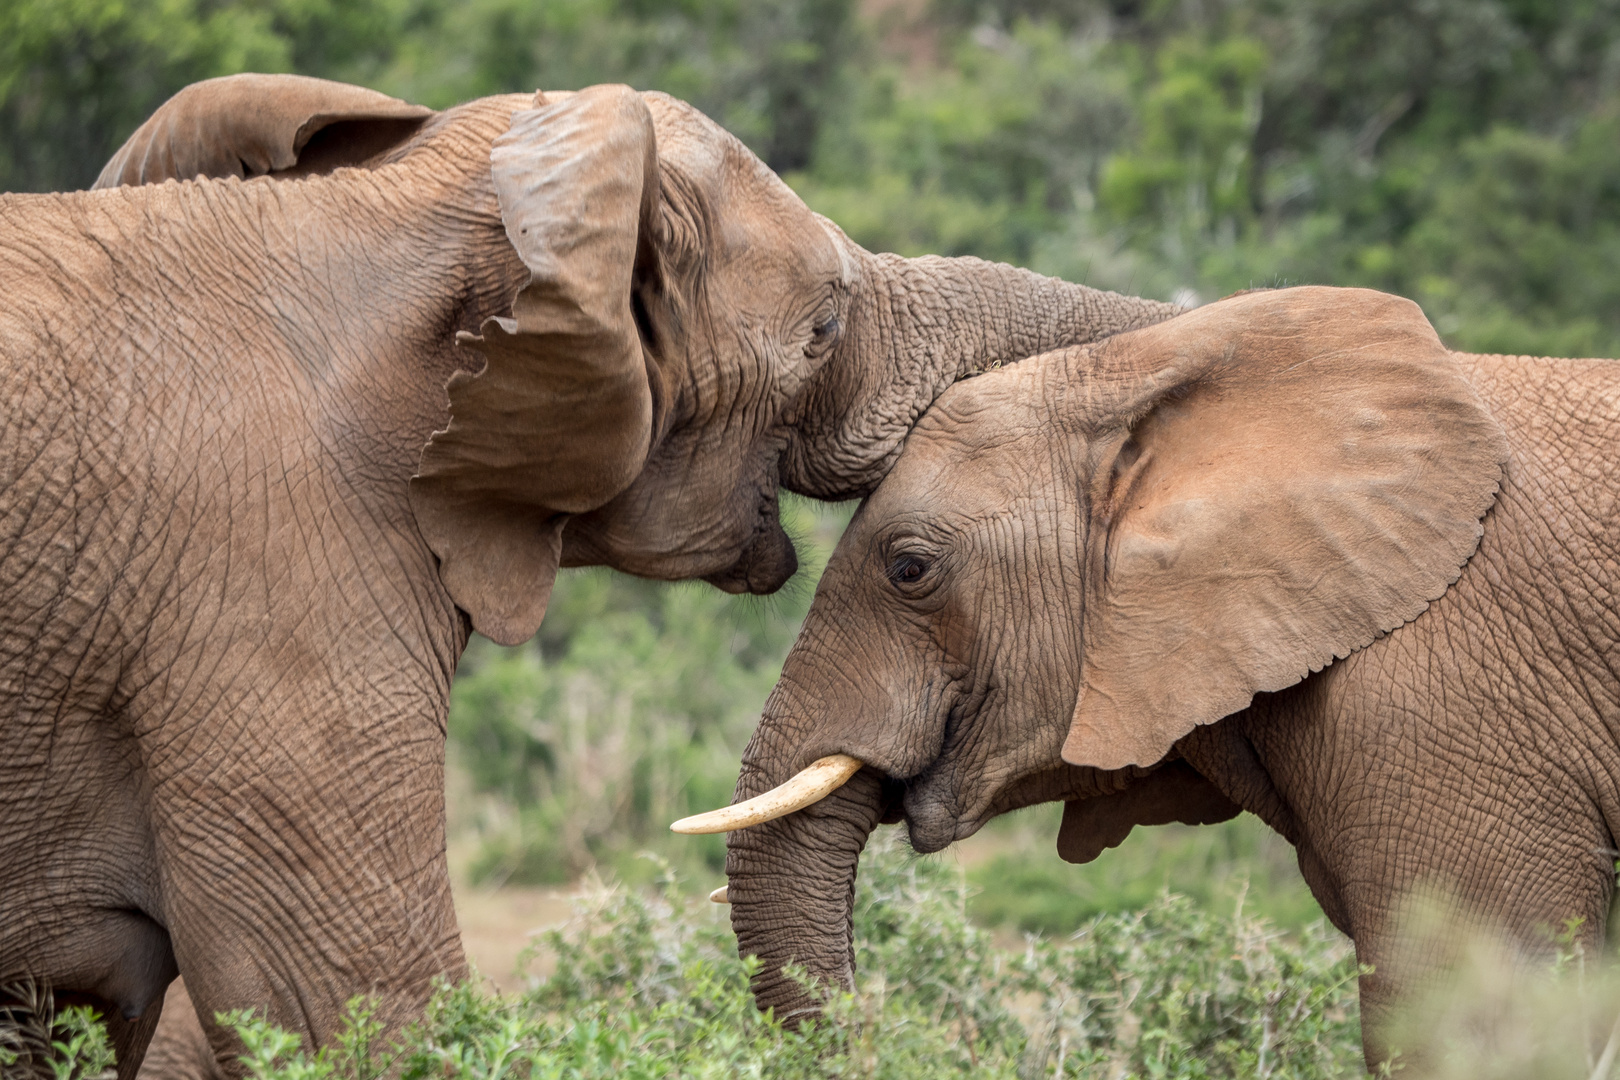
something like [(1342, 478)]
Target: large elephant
[(251, 505), (1225, 562)]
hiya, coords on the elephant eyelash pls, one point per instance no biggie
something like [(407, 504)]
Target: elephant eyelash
[(908, 570)]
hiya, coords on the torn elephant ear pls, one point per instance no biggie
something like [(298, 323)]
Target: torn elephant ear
[(1301, 471), (560, 418), (256, 125)]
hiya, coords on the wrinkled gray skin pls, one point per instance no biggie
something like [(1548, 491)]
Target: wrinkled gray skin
[(1130, 559), (227, 646)]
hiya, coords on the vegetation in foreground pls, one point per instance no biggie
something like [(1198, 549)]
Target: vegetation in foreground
[(646, 983), (38, 1040)]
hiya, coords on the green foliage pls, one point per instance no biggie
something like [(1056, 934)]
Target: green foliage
[(37, 1040), (648, 984), (629, 711), (1461, 152), (270, 1052), (81, 1046), (1190, 164), (77, 76), (1026, 886), (981, 157)]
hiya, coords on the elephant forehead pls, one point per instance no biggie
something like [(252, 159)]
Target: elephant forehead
[(755, 217), (708, 157), (971, 470), (686, 136), (1001, 413)]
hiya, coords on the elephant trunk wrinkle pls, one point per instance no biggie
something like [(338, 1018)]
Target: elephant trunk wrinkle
[(791, 883), (945, 319)]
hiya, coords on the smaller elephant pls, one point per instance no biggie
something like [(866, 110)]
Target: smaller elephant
[(1285, 553)]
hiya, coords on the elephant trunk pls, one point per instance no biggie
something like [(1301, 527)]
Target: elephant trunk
[(791, 883), (940, 319)]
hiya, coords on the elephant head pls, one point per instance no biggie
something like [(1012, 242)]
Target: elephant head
[(686, 334), (1080, 558)]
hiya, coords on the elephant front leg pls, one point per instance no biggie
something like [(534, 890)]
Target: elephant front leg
[(306, 867)]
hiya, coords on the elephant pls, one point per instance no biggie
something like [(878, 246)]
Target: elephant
[(314, 383), (1284, 553)]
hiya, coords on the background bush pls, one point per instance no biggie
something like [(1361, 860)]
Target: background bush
[(1461, 152)]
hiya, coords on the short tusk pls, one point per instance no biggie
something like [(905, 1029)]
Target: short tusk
[(815, 782), (720, 895)]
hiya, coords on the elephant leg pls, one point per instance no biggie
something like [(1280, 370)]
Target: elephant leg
[(1414, 850), (306, 867), (179, 1048), (1487, 879)]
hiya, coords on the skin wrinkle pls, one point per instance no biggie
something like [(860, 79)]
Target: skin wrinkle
[(202, 624), (1003, 327)]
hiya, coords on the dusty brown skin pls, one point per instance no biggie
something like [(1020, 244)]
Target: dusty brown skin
[(1227, 562), (243, 534)]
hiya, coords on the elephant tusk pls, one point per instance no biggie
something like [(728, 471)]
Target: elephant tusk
[(815, 782), (720, 895)]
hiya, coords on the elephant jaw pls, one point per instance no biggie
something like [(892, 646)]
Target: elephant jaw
[(764, 566)]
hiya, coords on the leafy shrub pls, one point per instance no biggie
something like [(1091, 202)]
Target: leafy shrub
[(647, 984), (38, 1041)]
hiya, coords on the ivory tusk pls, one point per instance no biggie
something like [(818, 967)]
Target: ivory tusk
[(815, 782), (720, 896)]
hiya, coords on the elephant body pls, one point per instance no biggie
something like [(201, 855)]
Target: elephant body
[(1474, 751), (1223, 564), (254, 495), (195, 542)]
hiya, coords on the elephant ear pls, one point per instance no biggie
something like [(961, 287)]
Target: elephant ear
[(1301, 471), (1174, 792), (560, 418), (252, 125)]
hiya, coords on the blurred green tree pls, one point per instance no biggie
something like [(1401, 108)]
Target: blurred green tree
[(77, 76)]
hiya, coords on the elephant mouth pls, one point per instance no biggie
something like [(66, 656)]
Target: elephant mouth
[(768, 559)]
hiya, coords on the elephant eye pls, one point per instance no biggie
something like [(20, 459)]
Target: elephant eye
[(908, 569), (822, 337)]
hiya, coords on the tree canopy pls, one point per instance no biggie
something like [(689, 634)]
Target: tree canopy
[(1461, 152)]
